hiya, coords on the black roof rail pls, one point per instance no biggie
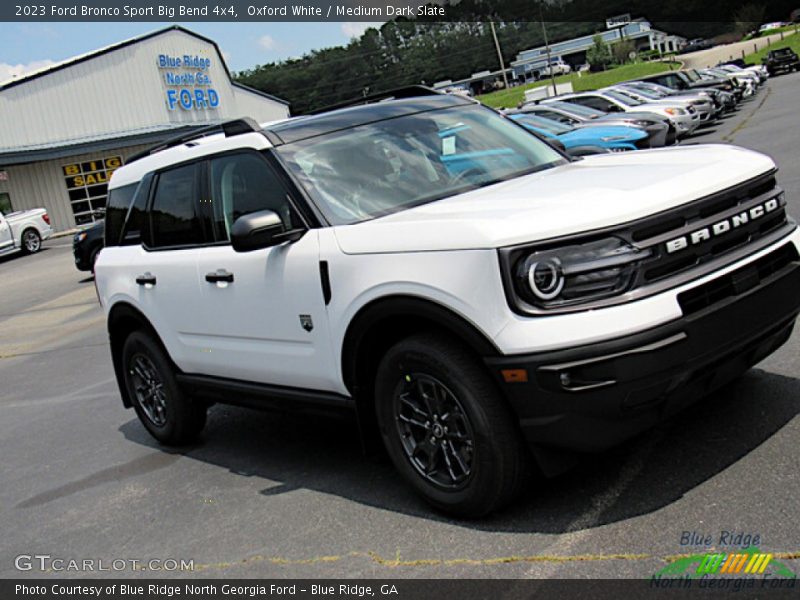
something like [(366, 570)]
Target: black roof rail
[(229, 128), (409, 91)]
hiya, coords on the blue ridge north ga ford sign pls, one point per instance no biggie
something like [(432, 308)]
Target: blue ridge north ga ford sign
[(188, 82)]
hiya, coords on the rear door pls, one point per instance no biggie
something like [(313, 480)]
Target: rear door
[(267, 323), (166, 268)]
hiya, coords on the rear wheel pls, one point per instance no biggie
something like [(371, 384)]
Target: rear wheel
[(162, 407), (446, 427), (31, 241)]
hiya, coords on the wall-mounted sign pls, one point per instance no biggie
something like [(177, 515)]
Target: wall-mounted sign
[(3, 175), (87, 185), (188, 82), (617, 21)]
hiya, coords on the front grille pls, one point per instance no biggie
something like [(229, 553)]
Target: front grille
[(737, 282), (693, 235)]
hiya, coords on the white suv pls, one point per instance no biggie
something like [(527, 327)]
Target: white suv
[(474, 295)]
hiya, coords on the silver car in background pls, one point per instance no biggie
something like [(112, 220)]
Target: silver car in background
[(702, 104), (685, 118)]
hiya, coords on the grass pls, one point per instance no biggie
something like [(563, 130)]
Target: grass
[(586, 81), (787, 29), (792, 41)]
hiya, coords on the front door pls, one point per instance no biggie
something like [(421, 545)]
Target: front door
[(268, 322)]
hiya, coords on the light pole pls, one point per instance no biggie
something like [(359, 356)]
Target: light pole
[(499, 55), (547, 49)]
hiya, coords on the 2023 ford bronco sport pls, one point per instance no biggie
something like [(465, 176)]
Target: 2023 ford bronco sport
[(470, 291)]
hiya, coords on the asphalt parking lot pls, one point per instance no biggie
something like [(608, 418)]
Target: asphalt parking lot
[(272, 495)]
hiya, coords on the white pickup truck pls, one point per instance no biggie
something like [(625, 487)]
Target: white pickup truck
[(24, 231)]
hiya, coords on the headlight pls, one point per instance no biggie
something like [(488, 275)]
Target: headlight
[(674, 111), (572, 274), (79, 237)]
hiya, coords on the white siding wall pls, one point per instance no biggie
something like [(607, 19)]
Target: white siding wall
[(116, 94), (42, 185), (120, 92)]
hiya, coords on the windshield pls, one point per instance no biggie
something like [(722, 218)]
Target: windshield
[(623, 98), (544, 123), (692, 75), (376, 169), (652, 95), (578, 109)]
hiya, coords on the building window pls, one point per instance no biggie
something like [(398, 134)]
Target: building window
[(5, 203), (87, 186)]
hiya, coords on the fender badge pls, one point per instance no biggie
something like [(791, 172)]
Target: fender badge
[(306, 322)]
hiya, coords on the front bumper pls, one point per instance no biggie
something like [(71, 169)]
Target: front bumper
[(592, 397)]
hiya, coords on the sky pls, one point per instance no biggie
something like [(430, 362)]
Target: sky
[(29, 46)]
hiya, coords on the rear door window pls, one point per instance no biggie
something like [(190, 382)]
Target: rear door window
[(119, 202), (174, 218)]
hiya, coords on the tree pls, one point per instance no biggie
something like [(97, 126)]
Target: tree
[(599, 55), (622, 50)]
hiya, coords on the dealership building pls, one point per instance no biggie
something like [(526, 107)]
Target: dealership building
[(639, 32), (65, 128)]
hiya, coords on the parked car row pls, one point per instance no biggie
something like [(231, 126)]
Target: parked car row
[(651, 112)]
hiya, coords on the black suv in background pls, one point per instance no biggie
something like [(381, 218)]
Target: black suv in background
[(86, 246), (781, 59)]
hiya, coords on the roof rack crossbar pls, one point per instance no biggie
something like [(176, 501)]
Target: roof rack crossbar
[(409, 91), (229, 128)]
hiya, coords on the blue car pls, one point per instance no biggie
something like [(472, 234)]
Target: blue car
[(616, 138)]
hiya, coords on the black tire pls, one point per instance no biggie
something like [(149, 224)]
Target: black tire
[(31, 241), (483, 475), (170, 416), (93, 258)]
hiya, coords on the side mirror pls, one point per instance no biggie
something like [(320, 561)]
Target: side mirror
[(261, 229)]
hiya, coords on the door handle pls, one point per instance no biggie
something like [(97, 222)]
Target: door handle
[(146, 279), (220, 275)]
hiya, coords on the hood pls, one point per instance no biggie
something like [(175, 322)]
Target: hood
[(656, 106), (595, 135), (598, 191), (632, 116)]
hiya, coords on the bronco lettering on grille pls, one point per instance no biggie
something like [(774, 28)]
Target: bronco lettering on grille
[(725, 225)]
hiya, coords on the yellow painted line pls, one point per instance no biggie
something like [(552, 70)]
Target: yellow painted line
[(398, 562)]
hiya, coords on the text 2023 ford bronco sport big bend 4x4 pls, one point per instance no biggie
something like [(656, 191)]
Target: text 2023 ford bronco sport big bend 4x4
[(470, 291)]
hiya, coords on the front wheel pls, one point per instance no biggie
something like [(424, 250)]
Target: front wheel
[(31, 241), (166, 412), (446, 427)]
